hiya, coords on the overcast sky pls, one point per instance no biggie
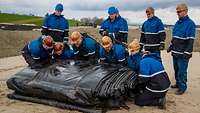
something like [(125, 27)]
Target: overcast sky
[(134, 10)]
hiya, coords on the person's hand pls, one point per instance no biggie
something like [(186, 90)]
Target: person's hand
[(169, 50), (162, 46)]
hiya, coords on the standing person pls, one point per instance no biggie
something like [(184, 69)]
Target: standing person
[(56, 25), (115, 26), (38, 52), (152, 33), (153, 82), (182, 46), (135, 55), (112, 53), (85, 47)]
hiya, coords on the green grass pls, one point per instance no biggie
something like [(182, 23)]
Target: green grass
[(25, 19), (73, 22)]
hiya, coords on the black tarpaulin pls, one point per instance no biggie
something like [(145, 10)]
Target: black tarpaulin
[(71, 83)]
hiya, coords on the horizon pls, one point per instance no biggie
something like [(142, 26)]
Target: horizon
[(132, 10), (130, 24)]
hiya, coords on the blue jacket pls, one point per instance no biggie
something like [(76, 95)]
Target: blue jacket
[(119, 27), (66, 54), (55, 26), (153, 74), (134, 61), (116, 54), (88, 48), (152, 34), (183, 38), (37, 51)]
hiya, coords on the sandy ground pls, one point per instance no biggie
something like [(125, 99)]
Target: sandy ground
[(13, 48), (187, 103)]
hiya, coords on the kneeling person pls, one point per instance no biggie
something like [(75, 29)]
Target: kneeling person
[(153, 80), (111, 53), (37, 53), (61, 51), (85, 47), (135, 56)]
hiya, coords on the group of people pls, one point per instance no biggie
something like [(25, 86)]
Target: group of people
[(142, 56)]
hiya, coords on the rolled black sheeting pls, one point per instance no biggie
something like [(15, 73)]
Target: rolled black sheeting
[(78, 83)]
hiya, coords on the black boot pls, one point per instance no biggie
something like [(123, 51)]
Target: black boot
[(162, 103), (180, 92)]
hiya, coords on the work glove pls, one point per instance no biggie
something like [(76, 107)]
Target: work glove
[(162, 46)]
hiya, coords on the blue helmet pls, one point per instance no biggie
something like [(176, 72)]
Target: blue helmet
[(59, 7), (112, 10)]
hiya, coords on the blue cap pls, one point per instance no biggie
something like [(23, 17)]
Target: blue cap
[(112, 10), (59, 7)]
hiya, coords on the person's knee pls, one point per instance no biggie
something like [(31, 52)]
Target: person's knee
[(139, 101)]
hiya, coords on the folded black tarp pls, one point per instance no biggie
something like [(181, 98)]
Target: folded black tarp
[(74, 85)]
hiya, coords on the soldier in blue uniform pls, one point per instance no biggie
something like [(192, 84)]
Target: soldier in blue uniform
[(152, 33), (85, 47), (56, 25), (115, 26), (182, 46), (153, 81), (38, 52), (112, 53)]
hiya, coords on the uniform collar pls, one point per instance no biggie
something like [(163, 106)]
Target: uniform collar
[(183, 19), (118, 17), (111, 50), (152, 18), (57, 16)]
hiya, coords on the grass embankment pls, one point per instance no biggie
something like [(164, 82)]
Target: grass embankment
[(25, 19)]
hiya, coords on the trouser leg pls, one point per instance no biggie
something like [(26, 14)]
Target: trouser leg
[(182, 73), (148, 98), (176, 68)]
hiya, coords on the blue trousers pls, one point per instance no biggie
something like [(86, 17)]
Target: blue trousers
[(180, 69), (148, 98)]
